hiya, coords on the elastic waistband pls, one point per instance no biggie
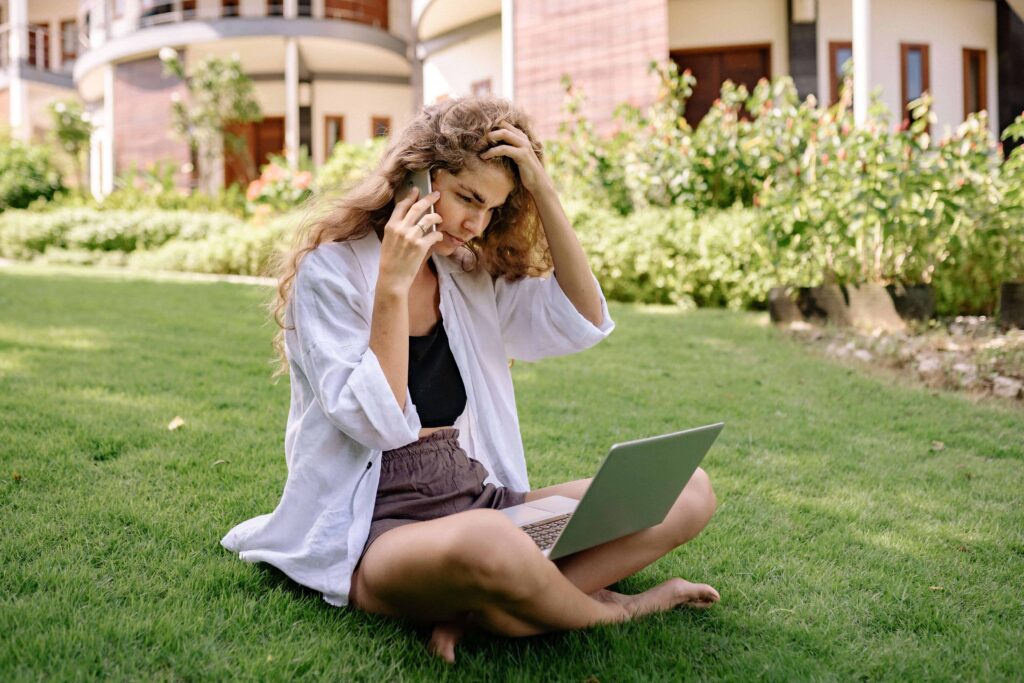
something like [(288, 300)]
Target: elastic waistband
[(445, 439)]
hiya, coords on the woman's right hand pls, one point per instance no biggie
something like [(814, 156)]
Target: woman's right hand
[(405, 244)]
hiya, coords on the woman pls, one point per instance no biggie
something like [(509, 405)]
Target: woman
[(402, 439)]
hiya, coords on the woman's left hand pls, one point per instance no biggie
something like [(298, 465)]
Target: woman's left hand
[(517, 147)]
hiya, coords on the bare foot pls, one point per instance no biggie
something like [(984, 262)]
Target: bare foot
[(445, 637), (669, 594)]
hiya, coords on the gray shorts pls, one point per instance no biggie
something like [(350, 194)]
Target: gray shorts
[(432, 478)]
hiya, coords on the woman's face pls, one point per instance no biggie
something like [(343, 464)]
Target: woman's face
[(468, 200)]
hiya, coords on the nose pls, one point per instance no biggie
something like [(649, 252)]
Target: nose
[(476, 223)]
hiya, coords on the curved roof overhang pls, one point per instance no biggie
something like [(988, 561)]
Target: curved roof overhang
[(88, 74)]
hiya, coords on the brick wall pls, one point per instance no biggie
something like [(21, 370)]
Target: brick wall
[(143, 132), (604, 45)]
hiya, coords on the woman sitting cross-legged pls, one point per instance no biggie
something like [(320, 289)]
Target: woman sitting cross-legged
[(403, 442)]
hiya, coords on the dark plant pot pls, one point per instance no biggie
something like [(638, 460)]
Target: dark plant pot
[(1011, 305), (913, 302), (782, 306)]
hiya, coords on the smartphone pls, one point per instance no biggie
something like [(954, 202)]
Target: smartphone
[(418, 179)]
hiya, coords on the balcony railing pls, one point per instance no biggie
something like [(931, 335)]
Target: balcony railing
[(159, 12), (37, 49)]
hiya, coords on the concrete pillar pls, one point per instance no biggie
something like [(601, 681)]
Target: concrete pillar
[(861, 60), (508, 49), (107, 163), (291, 101), (291, 8), (21, 127)]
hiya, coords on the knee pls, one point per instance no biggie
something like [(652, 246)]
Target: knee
[(693, 510), (492, 555), (703, 493)]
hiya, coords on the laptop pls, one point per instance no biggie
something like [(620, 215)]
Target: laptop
[(634, 489)]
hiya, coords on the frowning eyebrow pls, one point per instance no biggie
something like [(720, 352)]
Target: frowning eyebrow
[(477, 197)]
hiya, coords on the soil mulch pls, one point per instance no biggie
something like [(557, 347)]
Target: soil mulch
[(966, 353)]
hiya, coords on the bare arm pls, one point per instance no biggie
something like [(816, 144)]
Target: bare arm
[(401, 254), (572, 272), (571, 268)]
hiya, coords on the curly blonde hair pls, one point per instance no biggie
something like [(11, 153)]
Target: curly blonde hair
[(443, 136)]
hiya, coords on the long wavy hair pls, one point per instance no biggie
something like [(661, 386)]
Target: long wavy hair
[(443, 136)]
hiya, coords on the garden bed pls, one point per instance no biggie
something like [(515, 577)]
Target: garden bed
[(965, 353)]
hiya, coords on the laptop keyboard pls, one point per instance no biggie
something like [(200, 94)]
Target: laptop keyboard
[(545, 533)]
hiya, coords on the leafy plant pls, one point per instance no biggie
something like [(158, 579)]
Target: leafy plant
[(219, 93)]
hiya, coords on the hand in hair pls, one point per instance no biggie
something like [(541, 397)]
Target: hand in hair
[(408, 236), (516, 145)]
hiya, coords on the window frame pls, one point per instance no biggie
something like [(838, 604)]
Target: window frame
[(375, 121), (66, 57), (926, 85), (834, 47), (982, 93), (328, 118)]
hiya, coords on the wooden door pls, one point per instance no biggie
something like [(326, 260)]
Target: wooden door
[(261, 140), (745, 64)]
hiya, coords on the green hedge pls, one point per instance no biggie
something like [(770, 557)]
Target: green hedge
[(151, 239), (673, 256)]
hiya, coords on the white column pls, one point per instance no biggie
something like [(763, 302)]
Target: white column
[(17, 53), (861, 60), (291, 101), (107, 163), (508, 49), (291, 8), (96, 163)]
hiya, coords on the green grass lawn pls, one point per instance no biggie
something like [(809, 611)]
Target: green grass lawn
[(845, 546)]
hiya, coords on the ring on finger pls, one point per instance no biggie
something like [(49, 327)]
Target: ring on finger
[(423, 227)]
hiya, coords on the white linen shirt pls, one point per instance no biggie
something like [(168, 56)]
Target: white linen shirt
[(343, 412)]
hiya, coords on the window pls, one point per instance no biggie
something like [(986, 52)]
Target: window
[(914, 68), (229, 8), (275, 8), (334, 132), (68, 40), (480, 88), (305, 8), (839, 53), (975, 81), (188, 8), (380, 126)]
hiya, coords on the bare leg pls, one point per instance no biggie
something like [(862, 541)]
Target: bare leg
[(478, 562), (603, 565)]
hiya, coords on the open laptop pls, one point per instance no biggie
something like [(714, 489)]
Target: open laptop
[(634, 489)]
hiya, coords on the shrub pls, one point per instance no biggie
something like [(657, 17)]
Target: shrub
[(27, 234), (675, 256), (348, 163), (26, 174), (279, 188), (241, 249)]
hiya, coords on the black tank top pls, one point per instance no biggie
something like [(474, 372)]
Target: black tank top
[(434, 379)]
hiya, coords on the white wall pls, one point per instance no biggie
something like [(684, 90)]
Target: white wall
[(946, 26), (358, 103), (715, 23), (451, 71)]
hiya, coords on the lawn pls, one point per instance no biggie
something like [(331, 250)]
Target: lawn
[(846, 545)]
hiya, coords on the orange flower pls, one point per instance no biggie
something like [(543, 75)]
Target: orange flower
[(272, 173), (254, 189), (302, 180)]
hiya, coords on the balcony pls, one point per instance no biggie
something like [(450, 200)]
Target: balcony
[(39, 64), (342, 37), (96, 23)]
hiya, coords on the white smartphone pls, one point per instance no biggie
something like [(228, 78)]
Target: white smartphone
[(418, 179)]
